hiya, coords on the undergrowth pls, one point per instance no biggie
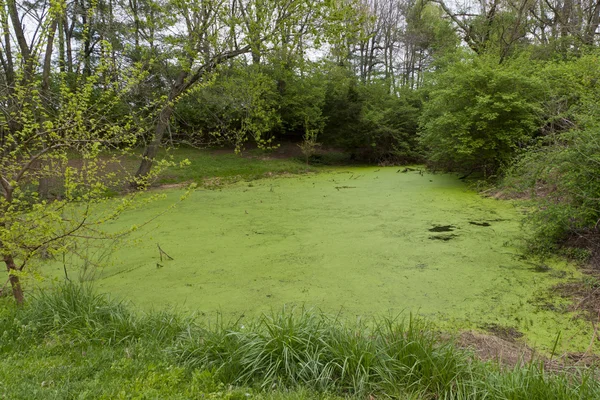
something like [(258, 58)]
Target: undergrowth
[(561, 180), (73, 343)]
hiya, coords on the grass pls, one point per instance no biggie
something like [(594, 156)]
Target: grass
[(72, 343), (210, 169)]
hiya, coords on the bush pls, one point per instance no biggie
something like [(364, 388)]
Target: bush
[(572, 90), (479, 114), (561, 172), (388, 129), (563, 179), (240, 105), (370, 122)]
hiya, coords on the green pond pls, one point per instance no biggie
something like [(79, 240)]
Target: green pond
[(361, 242)]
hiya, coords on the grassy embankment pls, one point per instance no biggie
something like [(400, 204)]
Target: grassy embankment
[(72, 344), (215, 168)]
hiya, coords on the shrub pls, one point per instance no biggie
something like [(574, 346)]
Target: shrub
[(479, 114), (563, 179), (370, 122)]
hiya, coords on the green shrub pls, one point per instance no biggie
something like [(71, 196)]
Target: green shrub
[(480, 113), (563, 179), (370, 122)]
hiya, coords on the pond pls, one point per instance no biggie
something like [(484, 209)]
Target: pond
[(361, 242)]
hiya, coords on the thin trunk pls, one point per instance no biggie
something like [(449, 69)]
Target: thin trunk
[(18, 29), (87, 41), (184, 81), (13, 124), (48, 60), (161, 127), (566, 18), (44, 181), (61, 45), (68, 37), (136, 23), (592, 27), (25, 51), (15, 283), (10, 68)]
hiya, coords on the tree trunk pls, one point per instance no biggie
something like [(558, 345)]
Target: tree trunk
[(17, 290), (61, 46), (18, 29), (44, 182), (594, 22), (68, 37), (152, 148)]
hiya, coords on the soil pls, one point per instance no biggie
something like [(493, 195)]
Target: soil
[(507, 333), (585, 296), (588, 240), (494, 348), (584, 293), (511, 354)]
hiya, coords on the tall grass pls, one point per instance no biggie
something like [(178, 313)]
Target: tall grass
[(299, 350), (78, 313)]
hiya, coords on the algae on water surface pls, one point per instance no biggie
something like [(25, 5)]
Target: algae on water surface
[(361, 241)]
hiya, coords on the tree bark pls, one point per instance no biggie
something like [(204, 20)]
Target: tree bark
[(592, 27), (18, 29), (44, 181), (161, 127), (15, 283)]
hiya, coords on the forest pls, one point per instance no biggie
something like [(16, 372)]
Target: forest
[(291, 165)]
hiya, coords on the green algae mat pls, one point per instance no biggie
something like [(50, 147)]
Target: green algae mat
[(360, 242)]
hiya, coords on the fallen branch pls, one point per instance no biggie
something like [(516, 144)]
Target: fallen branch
[(161, 252)]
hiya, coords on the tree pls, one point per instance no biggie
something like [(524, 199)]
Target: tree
[(214, 33), (56, 132)]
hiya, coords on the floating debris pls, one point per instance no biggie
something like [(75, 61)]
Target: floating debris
[(444, 238), (480, 223), (442, 228), (345, 187)]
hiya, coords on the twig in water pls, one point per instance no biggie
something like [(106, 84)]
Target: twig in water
[(161, 252)]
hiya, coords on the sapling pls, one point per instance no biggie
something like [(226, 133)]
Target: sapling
[(309, 143)]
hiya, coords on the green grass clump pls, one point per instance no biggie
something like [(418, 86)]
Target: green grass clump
[(312, 350), (73, 343)]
